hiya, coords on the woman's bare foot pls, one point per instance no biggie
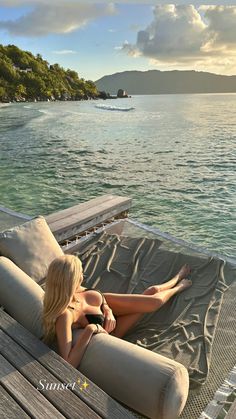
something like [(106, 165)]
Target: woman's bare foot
[(182, 285), (183, 273)]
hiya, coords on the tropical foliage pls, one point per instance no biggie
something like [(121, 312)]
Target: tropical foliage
[(24, 76)]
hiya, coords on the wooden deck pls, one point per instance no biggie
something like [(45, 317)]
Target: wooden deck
[(232, 411), (24, 361), (73, 221)]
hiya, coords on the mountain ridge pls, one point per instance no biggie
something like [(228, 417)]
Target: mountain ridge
[(167, 82)]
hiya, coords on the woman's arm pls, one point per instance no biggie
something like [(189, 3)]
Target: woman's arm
[(74, 354), (110, 321)]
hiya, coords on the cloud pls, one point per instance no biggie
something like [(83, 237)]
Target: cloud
[(57, 18), (185, 35), (222, 22), (175, 32), (65, 52)]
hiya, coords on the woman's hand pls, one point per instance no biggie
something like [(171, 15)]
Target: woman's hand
[(110, 321), (96, 328)]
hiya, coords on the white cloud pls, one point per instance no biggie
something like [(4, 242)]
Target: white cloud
[(60, 17), (176, 31), (65, 52), (222, 22), (183, 35)]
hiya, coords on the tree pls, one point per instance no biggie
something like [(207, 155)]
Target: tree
[(7, 71), (43, 81), (3, 93), (20, 92)]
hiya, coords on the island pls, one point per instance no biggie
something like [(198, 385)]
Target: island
[(153, 82), (25, 77)]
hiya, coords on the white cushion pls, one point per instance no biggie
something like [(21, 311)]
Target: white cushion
[(21, 297), (151, 384), (31, 246)]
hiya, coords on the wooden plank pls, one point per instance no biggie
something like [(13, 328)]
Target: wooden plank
[(95, 215), (96, 398), (78, 229), (232, 411), (69, 405), (51, 218), (9, 409), (113, 206), (25, 394)]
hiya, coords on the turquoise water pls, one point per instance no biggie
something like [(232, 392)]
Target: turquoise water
[(173, 154)]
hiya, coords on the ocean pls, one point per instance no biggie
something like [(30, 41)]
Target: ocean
[(173, 154)]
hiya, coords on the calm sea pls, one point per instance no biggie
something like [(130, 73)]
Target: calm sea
[(173, 154)]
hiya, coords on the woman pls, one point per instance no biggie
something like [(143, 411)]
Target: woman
[(68, 305)]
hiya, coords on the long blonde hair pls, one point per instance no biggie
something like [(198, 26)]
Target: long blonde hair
[(63, 277)]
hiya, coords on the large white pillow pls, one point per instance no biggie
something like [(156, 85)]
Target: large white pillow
[(31, 246)]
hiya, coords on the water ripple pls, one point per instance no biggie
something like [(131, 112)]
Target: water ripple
[(175, 155)]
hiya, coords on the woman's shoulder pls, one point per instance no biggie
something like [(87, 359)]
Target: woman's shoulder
[(65, 317)]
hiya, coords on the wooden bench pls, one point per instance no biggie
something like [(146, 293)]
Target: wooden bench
[(25, 360), (73, 221)]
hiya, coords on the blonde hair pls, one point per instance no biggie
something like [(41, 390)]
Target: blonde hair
[(63, 277)]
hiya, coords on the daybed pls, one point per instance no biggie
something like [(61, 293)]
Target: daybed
[(151, 384)]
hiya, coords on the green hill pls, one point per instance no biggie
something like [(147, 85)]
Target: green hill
[(166, 82), (24, 76)]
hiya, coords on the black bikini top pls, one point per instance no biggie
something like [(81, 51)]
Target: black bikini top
[(94, 318)]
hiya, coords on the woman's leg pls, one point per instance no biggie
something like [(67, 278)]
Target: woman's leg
[(148, 304), (183, 273), (122, 304)]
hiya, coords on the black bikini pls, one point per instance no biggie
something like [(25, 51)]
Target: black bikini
[(94, 318)]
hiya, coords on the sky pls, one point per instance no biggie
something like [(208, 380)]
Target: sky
[(96, 38)]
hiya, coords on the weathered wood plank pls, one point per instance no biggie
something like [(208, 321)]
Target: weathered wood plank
[(25, 394), (109, 208), (232, 411), (67, 212), (96, 398), (84, 219), (68, 233), (65, 401), (71, 232), (9, 409)]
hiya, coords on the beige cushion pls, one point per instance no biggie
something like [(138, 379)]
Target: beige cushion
[(21, 297), (31, 246), (149, 383)]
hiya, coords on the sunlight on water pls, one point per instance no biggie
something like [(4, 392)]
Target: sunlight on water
[(173, 154)]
